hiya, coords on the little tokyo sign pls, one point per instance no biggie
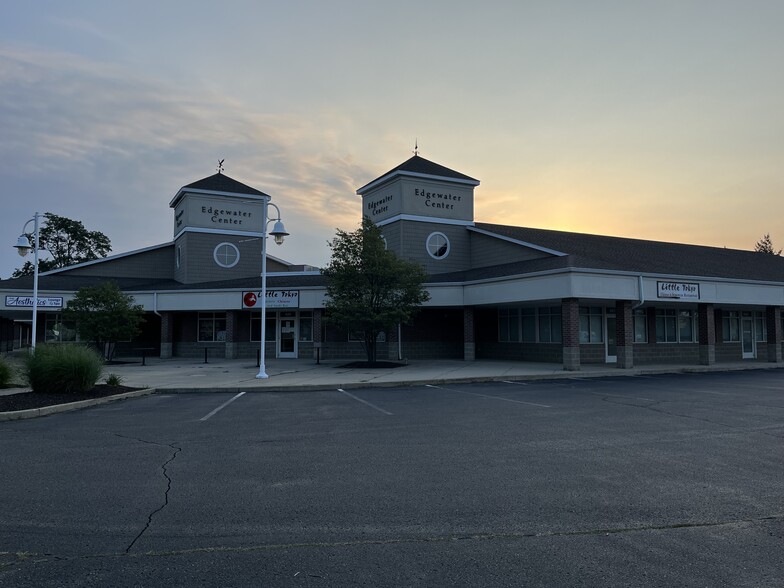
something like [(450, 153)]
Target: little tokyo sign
[(680, 290), (27, 301), (275, 299)]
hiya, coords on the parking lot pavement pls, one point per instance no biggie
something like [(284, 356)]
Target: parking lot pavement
[(645, 481)]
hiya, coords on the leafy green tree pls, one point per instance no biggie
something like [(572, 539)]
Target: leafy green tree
[(370, 289), (765, 245), (105, 315), (68, 242)]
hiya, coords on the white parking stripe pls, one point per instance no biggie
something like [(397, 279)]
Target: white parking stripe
[(488, 396), (222, 406), (364, 402), (512, 382)]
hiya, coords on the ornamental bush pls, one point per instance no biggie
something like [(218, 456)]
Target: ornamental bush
[(6, 373), (63, 368)]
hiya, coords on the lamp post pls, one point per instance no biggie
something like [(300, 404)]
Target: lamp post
[(23, 247), (278, 232)]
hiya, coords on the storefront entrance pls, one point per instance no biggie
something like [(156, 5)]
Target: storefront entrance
[(609, 328), (748, 342), (287, 334)]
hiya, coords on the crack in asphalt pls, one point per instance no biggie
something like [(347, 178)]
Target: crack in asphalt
[(168, 485), (38, 558)]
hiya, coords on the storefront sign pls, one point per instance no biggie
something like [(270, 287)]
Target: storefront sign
[(275, 299), (27, 301), (680, 290), (378, 206)]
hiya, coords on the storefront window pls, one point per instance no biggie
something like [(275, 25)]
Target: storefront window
[(676, 326), (528, 316), (730, 325), (59, 331), (306, 325), (640, 326), (550, 324), (509, 325), (212, 326), (760, 327), (270, 327), (591, 330)]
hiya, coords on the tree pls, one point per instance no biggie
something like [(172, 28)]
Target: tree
[(370, 289), (105, 315), (68, 242), (765, 245)]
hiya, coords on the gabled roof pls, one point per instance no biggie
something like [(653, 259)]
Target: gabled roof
[(221, 184), (420, 167), (107, 258), (649, 257)]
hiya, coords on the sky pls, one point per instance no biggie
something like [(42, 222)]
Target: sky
[(650, 119)]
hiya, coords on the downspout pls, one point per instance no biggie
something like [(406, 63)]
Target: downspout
[(641, 295), (155, 303)]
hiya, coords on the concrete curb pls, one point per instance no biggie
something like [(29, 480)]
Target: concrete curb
[(32, 413)]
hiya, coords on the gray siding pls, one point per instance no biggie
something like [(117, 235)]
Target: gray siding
[(197, 263), (413, 237)]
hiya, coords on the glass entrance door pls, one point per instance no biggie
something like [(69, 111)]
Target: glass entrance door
[(747, 337), (611, 350), (287, 335)]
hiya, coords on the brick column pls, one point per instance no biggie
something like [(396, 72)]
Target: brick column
[(469, 343), (624, 334), (167, 334), (707, 320), (773, 318), (232, 320), (570, 320), (318, 344)]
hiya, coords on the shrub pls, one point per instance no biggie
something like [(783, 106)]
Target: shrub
[(114, 380), (63, 368), (6, 373)]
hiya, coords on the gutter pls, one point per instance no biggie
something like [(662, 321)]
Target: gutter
[(641, 296)]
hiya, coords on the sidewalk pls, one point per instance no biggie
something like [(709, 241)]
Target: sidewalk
[(223, 375), (190, 375)]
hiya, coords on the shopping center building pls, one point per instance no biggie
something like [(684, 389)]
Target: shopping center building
[(496, 291)]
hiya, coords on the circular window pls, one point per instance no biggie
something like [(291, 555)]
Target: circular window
[(226, 255), (437, 245)]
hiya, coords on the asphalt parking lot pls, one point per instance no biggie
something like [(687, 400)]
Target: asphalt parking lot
[(626, 481)]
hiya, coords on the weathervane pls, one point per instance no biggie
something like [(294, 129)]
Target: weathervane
[(416, 146), (220, 165)]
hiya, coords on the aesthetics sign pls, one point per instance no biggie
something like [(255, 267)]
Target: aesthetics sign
[(679, 290), (275, 299), (27, 301)]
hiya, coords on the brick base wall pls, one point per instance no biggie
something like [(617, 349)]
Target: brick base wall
[(542, 352), (667, 353)]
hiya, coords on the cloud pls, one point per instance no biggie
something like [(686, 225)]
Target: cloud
[(109, 146)]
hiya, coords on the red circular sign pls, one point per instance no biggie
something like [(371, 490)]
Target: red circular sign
[(249, 299)]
